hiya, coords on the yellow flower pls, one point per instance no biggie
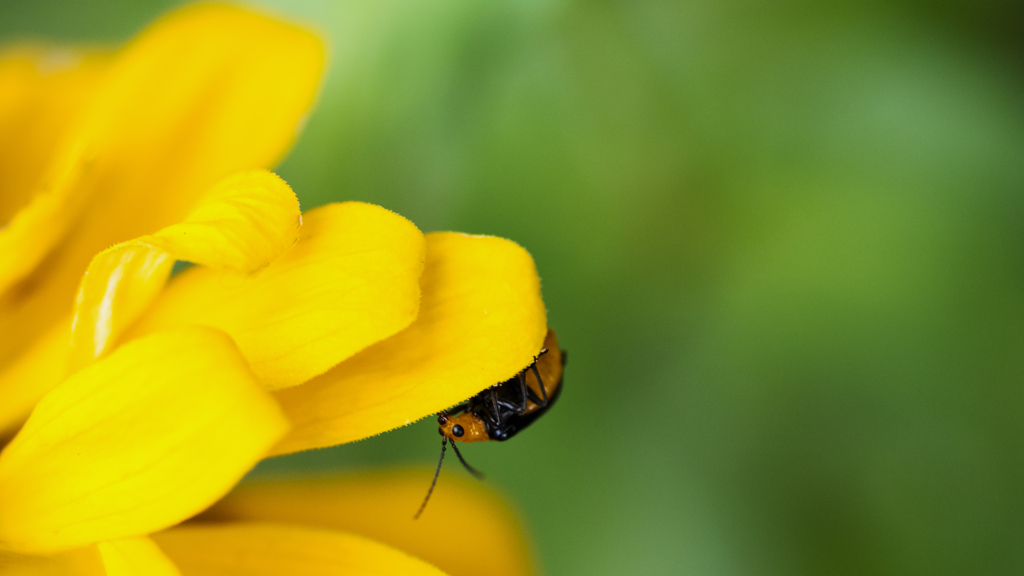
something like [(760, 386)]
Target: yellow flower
[(147, 400)]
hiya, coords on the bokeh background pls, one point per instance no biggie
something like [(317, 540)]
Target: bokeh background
[(782, 242)]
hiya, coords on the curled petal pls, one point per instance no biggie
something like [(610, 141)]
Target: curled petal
[(350, 281), (481, 320), (255, 549), (243, 223), (135, 442), (137, 556), (203, 93), (380, 506)]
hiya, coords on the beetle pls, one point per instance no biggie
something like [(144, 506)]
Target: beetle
[(503, 410)]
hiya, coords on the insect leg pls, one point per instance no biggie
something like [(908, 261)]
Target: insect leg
[(513, 406), (534, 398), (522, 388), (497, 411), (543, 391)]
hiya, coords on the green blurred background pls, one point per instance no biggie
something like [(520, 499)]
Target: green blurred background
[(782, 242)]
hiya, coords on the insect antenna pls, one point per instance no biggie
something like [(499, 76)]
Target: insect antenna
[(479, 475), (444, 443)]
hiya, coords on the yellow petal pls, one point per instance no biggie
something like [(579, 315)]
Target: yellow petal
[(243, 223), (80, 562), (380, 506), (350, 281), (481, 321), (28, 379), (34, 229), (255, 549), (137, 556), (206, 91), (138, 441), (41, 93)]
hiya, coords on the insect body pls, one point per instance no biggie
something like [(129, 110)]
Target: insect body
[(503, 410)]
